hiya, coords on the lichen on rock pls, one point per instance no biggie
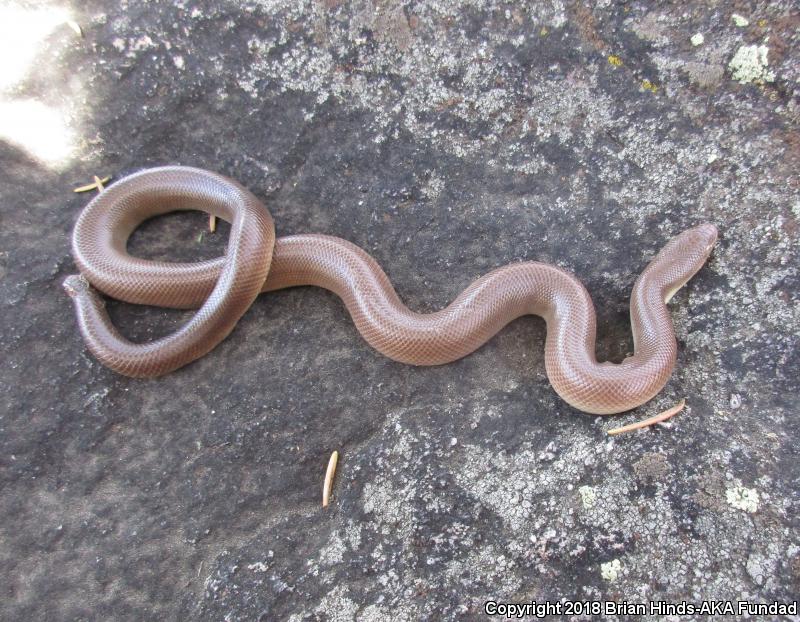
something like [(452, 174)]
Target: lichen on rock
[(750, 64)]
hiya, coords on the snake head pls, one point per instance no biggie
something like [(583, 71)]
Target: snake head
[(682, 257), (705, 237), (692, 247)]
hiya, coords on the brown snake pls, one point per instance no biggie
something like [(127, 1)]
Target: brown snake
[(222, 289)]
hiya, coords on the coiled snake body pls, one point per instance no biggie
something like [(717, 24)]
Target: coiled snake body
[(222, 289)]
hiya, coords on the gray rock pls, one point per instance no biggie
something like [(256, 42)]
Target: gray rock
[(446, 139)]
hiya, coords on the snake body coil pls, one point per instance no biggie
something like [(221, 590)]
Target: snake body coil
[(222, 289)]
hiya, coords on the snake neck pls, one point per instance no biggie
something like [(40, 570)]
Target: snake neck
[(571, 365)]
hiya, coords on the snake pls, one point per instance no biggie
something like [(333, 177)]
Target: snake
[(223, 288)]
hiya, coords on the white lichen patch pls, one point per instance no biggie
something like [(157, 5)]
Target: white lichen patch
[(740, 20), (434, 187), (333, 553), (588, 496), (489, 564), (697, 39), (610, 571), (750, 64), (336, 605), (742, 498), (389, 503), (508, 487)]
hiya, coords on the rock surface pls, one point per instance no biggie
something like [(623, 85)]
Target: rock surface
[(447, 139)]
